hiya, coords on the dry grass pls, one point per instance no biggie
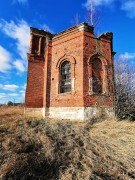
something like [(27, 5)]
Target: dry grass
[(119, 138), (39, 149), (11, 112)]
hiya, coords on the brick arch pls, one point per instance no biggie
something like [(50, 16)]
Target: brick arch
[(65, 58), (104, 73), (98, 56), (72, 60)]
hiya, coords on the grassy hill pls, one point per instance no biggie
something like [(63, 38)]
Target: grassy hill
[(32, 148)]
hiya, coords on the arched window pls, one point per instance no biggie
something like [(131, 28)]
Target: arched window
[(65, 77), (97, 76)]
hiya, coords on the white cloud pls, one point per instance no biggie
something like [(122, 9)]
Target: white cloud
[(13, 95), (19, 65), (126, 5), (22, 93), (5, 60), (98, 3), (24, 86), (127, 56), (21, 1), (17, 96), (9, 87), (46, 28), (3, 95), (129, 7), (20, 32)]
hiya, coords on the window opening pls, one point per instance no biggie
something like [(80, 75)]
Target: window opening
[(65, 79)]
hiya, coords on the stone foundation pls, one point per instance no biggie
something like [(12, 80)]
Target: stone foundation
[(35, 112), (71, 113), (98, 112)]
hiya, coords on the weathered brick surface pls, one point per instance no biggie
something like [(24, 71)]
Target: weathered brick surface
[(79, 46), (68, 47), (101, 47), (35, 86), (47, 74)]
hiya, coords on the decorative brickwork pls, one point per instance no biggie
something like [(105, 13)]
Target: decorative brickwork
[(71, 71)]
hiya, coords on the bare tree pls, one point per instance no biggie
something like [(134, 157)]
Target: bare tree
[(76, 20), (125, 89), (93, 17)]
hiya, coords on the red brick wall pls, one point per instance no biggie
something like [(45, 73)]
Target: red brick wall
[(78, 46), (68, 46), (47, 74), (35, 83), (101, 47)]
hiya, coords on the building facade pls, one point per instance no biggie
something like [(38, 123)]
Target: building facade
[(70, 74)]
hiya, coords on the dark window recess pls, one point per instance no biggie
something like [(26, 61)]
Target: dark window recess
[(42, 46), (97, 76), (65, 77), (35, 45)]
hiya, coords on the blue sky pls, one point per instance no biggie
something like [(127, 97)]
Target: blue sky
[(16, 16)]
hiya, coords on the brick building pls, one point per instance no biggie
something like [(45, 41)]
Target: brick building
[(70, 74)]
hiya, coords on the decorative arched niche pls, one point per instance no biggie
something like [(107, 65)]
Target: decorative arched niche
[(66, 74), (98, 75)]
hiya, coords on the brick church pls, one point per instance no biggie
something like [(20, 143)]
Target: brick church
[(70, 74)]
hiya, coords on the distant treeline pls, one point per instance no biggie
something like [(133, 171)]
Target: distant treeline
[(10, 103)]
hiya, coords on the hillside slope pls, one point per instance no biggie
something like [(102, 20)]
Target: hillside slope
[(118, 137), (49, 150)]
